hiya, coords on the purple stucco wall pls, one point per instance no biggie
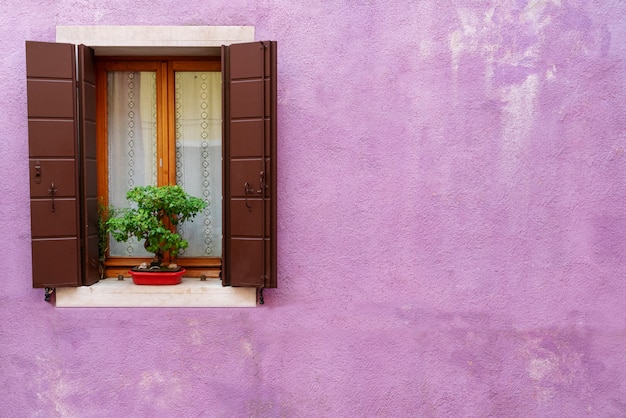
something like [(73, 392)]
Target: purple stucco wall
[(451, 223)]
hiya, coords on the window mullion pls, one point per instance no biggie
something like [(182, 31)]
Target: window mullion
[(164, 166)]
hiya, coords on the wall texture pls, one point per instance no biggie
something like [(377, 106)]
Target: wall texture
[(451, 221)]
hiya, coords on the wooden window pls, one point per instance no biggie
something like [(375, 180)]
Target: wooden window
[(160, 123), (62, 143)]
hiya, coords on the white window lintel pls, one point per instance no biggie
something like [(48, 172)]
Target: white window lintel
[(154, 40)]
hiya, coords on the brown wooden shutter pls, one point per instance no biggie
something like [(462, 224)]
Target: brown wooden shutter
[(89, 170), (249, 82), (58, 210)]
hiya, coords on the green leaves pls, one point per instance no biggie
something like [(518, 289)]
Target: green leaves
[(146, 220)]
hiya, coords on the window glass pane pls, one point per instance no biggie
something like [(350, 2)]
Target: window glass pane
[(132, 130), (198, 107)]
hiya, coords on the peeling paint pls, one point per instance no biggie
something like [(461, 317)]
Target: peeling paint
[(53, 387), (534, 13), (539, 368), (518, 119), (159, 389), (551, 72), (247, 348)]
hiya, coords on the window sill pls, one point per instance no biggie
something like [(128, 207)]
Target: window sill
[(191, 293)]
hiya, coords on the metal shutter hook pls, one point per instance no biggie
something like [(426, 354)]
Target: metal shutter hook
[(247, 189), (52, 190), (261, 183)]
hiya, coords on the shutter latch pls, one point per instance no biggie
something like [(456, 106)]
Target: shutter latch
[(49, 292), (261, 183), (37, 172), (246, 190), (52, 190)]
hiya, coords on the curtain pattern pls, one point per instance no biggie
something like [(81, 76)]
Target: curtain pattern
[(198, 107), (132, 133)]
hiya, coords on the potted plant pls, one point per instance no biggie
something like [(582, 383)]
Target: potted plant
[(153, 210)]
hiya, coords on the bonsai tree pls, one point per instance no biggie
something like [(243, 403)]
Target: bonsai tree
[(153, 207)]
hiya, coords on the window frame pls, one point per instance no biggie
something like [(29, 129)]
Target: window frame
[(165, 68)]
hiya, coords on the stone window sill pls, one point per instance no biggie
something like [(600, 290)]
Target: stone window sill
[(191, 293)]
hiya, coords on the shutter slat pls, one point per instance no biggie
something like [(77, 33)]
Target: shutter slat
[(249, 74)]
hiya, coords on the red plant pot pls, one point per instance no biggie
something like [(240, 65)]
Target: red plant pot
[(157, 277)]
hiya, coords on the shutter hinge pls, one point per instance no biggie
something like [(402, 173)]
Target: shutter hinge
[(261, 300)]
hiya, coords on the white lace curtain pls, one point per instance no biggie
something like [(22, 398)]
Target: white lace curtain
[(133, 151)]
